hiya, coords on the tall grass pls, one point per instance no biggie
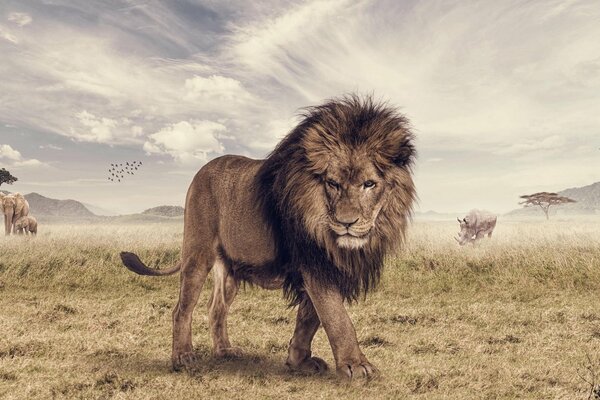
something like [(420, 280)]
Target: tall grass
[(517, 316)]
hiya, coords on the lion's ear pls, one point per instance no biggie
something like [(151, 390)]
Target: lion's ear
[(404, 153), (395, 149)]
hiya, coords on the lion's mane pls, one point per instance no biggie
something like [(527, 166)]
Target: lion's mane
[(291, 187)]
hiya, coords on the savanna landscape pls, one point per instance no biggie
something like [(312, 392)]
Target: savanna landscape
[(516, 316), (419, 179)]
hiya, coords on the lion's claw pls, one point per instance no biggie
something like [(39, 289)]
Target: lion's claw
[(184, 361), (310, 365), (356, 370)]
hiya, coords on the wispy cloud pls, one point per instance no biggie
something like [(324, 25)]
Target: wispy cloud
[(504, 85), (50, 146), (550, 144), (20, 19), (8, 36)]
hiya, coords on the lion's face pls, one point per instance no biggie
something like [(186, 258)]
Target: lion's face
[(354, 196), (344, 179)]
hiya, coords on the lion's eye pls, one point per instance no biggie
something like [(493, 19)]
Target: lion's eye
[(369, 184), (333, 184)]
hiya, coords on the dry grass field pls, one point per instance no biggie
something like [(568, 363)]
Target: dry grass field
[(516, 317)]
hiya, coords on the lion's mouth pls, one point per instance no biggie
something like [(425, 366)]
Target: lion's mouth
[(357, 235), (351, 239), (341, 232)]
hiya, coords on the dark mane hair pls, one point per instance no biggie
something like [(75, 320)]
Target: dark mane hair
[(290, 184)]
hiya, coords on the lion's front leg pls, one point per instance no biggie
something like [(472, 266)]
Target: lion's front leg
[(329, 305), (299, 353)]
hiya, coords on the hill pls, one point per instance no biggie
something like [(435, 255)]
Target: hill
[(587, 202), (587, 197), (165, 211), (44, 206), (99, 210)]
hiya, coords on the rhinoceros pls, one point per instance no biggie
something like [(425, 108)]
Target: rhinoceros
[(475, 226)]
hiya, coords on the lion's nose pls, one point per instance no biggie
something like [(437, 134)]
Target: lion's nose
[(347, 223)]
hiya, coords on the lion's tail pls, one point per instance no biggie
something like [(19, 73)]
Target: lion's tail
[(133, 263)]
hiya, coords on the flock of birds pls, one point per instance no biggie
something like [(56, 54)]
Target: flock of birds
[(117, 172)]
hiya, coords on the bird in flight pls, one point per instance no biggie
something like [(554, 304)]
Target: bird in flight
[(117, 171)]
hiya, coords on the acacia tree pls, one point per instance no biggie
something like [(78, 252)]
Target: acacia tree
[(544, 200), (6, 177)]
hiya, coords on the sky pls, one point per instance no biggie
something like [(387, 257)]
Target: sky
[(503, 96)]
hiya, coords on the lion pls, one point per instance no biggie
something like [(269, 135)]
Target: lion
[(316, 218)]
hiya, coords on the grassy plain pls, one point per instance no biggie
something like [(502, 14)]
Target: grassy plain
[(516, 317)]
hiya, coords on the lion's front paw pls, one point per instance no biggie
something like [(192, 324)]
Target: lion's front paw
[(228, 352), (183, 361), (310, 365), (359, 369)]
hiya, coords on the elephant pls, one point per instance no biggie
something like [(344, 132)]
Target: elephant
[(25, 225), (13, 206)]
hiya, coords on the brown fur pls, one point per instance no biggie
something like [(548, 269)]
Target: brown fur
[(317, 217), (339, 135)]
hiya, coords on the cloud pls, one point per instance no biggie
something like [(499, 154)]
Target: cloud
[(6, 35), (137, 131), (20, 19), (28, 163), (187, 141), (214, 86), (120, 96), (528, 146), (486, 84), (7, 152), (14, 158), (270, 132), (479, 80), (100, 129), (96, 129), (51, 147)]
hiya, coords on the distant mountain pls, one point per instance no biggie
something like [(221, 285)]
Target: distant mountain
[(165, 211), (587, 202), (587, 197), (49, 210), (44, 206), (99, 210)]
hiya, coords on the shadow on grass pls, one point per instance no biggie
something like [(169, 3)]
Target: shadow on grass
[(252, 366)]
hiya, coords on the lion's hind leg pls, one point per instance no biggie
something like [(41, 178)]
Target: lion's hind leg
[(194, 271), (299, 352), (224, 291)]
